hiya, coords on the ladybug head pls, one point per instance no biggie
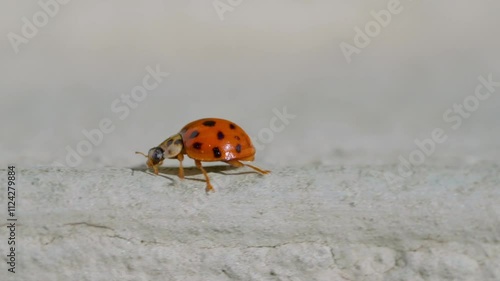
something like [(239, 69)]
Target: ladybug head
[(170, 148), (155, 158)]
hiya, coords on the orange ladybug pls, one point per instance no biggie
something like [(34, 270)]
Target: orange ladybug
[(208, 140)]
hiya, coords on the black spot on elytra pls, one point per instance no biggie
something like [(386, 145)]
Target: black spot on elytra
[(169, 142), (238, 148), (209, 123), (197, 145), (217, 153), (232, 127), (236, 137), (194, 134), (178, 142), (220, 135)]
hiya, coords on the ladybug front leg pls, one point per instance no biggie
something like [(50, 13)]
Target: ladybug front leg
[(209, 186), (155, 167), (180, 157)]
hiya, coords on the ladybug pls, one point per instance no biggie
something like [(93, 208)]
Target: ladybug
[(207, 140)]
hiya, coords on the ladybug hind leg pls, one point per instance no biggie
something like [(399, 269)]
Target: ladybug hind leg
[(236, 163), (209, 185)]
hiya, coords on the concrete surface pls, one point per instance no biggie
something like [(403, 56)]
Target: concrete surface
[(318, 222)]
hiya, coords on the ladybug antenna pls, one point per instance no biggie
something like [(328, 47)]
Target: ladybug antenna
[(137, 152)]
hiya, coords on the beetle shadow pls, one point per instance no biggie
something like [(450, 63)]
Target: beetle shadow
[(189, 172)]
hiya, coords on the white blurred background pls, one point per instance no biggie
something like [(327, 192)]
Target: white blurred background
[(262, 55)]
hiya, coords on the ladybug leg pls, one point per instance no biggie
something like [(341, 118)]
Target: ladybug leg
[(237, 163), (264, 172), (155, 167), (209, 186), (180, 157)]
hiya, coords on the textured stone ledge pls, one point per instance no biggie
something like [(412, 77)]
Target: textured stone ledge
[(300, 223)]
